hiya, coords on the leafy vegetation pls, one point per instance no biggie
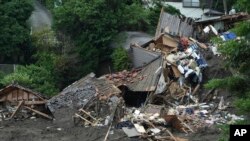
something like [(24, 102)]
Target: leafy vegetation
[(14, 32), (237, 54), (77, 44), (39, 75), (93, 24), (34, 77), (243, 5), (120, 59)]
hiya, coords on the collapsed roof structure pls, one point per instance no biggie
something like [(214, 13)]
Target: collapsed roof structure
[(15, 97), (174, 25)]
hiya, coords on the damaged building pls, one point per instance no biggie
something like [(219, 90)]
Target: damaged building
[(16, 99), (89, 94)]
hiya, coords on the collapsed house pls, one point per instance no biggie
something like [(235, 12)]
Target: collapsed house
[(136, 85), (15, 98), (161, 92), (174, 25), (89, 96)]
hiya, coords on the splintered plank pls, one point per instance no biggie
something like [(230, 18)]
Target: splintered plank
[(18, 107), (77, 115), (38, 112)]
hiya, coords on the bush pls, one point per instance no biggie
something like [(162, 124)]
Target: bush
[(34, 77), (120, 59)]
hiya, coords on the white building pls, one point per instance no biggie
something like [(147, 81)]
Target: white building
[(190, 8)]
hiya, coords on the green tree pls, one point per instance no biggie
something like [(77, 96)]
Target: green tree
[(34, 77), (243, 5), (14, 32), (93, 24), (120, 59)]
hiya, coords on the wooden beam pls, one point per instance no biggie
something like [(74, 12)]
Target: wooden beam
[(172, 136), (106, 136), (18, 107), (28, 102), (87, 114), (34, 102), (38, 112), (196, 89), (77, 115)]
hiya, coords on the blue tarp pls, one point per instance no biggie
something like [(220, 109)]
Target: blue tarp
[(229, 36)]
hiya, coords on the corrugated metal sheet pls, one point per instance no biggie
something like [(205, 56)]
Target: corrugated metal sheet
[(149, 77), (174, 24), (142, 57)]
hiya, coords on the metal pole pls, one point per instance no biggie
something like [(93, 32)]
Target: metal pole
[(225, 6)]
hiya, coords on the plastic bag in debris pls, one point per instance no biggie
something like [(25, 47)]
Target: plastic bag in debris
[(206, 29)]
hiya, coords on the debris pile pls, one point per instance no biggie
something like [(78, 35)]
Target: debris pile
[(91, 100), (19, 103), (125, 77), (165, 84)]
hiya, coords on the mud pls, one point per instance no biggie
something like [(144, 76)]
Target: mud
[(43, 130)]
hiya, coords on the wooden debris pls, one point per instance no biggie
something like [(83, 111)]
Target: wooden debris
[(202, 45), (196, 89), (106, 136), (18, 107), (111, 120), (87, 114), (172, 136), (183, 123), (38, 112), (206, 95), (77, 115)]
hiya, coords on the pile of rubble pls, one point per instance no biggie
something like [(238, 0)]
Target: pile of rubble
[(169, 75), (90, 101), (18, 102)]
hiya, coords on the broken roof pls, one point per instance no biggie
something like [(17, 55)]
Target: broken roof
[(11, 87), (78, 94), (141, 56), (140, 80), (174, 24), (150, 76), (212, 12), (234, 17)]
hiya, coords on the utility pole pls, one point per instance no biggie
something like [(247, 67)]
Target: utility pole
[(225, 6)]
